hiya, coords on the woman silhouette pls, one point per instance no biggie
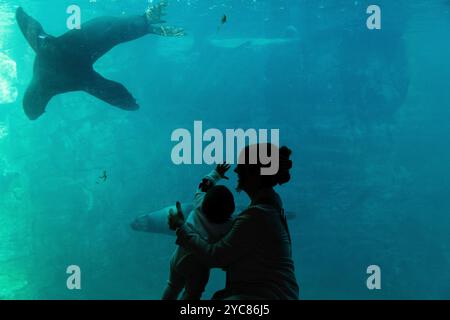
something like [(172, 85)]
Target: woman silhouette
[(257, 252)]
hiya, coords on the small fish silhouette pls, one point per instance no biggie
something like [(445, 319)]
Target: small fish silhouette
[(104, 177)]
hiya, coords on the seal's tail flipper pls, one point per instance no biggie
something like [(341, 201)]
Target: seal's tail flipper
[(30, 28), (111, 92)]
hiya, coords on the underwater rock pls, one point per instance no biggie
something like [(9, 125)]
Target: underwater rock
[(175, 49), (8, 77), (234, 43), (291, 32)]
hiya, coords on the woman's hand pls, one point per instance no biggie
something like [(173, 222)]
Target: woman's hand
[(176, 220), (222, 169)]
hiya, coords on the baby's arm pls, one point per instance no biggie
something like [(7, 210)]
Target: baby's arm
[(210, 181)]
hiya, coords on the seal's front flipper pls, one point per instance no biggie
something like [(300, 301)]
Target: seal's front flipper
[(168, 31), (111, 92), (35, 100), (155, 13), (30, 28)]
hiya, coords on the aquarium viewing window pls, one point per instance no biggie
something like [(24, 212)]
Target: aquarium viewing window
[(221, 150)]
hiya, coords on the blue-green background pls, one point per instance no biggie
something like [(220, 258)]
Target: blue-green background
[(365, 112)]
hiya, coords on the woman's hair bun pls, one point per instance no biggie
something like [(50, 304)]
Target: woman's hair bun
[(283, 176)]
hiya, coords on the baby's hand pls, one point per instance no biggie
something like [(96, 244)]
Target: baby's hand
[(222, 169), (205, 185)]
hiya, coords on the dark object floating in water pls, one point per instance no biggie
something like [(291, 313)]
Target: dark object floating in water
[(104, 177), (222, 22)]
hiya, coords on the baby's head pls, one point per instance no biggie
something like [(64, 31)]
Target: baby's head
[(218, 204)]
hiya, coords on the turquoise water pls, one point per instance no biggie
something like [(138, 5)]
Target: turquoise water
[(366, 113)]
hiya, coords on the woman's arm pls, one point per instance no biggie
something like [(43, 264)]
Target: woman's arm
[(241, 239)]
